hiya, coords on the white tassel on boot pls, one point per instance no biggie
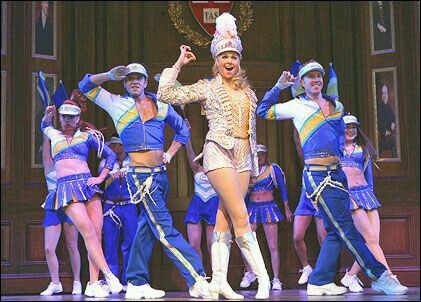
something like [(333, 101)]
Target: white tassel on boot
[(250, 248), (220, 251)]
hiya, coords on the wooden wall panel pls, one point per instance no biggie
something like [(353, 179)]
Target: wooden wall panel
[(6, 243), (33, 245), (96, 36)]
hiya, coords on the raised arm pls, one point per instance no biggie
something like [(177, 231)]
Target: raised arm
[(268, 109), (47, 123), (168, 93), (90, 87)]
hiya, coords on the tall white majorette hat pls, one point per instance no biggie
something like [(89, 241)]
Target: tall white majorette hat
[(226, 37)]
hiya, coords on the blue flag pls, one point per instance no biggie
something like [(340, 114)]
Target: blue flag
[(60, 95), (332, 86), (296, 89), (42, 89)]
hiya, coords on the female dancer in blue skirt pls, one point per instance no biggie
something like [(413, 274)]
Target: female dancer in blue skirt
[(77, 191), (262, 208), (356, 162)]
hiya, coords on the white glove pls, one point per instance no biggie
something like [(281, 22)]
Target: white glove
[(285, 80), (166, 158), (118, 73)]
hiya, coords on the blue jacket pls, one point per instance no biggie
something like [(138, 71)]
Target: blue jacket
[(320, 136), (135, 134)]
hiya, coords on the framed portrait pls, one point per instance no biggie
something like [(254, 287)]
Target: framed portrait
[(4, 27), (3, 120), (385, 92), (38, 109), (382, 27), (44, 29)]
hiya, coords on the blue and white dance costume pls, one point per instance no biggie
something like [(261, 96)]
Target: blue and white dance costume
[(120, 218), (148, 185), (51, 217), (326, 185), (361, 196), (73, 188), (270, 177), (204, 203)]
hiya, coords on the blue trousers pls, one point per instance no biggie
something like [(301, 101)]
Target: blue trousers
[(155, 222), (122, 221), (334, 205)]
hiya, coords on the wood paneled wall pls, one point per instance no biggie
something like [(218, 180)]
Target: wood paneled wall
[(96, 36)]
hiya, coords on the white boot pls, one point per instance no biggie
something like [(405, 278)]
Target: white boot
[(220, 252), (250, 249)]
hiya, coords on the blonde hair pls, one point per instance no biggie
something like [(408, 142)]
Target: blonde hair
[(239, 81)]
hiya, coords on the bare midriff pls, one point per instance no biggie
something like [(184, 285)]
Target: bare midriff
[(71, 166), (354, 176), (261, 196), (149, 158), (329, 160)]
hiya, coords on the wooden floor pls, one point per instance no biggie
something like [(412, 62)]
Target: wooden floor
[(286, 295)]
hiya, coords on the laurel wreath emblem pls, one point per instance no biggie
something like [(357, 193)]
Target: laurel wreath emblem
[(175, 11)]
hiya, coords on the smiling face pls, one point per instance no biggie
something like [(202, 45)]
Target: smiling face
[(228, 64), (312, 82), (135, 84), (350, 132)]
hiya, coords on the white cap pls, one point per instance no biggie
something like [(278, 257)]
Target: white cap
[(350, 119), (310, 67), (262, 148), (114, 140), (137, 68), (69, 109)]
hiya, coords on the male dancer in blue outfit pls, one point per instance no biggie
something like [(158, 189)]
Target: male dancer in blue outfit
[(140, 120), (120, 215), (318, 119)]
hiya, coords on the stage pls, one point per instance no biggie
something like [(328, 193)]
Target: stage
[(285, 295)]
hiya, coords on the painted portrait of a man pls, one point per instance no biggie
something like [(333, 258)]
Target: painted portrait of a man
[(44, 28)]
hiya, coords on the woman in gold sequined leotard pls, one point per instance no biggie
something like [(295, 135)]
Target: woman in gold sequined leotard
[(229, 154)]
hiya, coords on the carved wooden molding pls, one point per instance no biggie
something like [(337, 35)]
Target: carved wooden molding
[(175, 10)]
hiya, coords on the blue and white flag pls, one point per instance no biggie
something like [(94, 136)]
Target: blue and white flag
[(332, 86), (296, 89), (42, 89), (60, 95)]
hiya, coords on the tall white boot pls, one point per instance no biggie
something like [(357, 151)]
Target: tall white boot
[(250, 248), (220, 251)]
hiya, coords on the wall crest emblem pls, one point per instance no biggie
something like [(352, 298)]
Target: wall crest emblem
[(205, 13)]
